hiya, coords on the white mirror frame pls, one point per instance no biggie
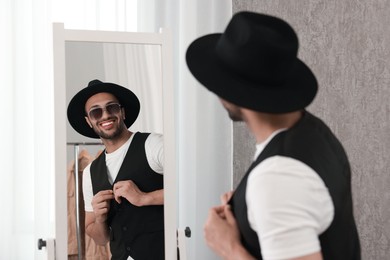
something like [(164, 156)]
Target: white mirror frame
[(163, 38)]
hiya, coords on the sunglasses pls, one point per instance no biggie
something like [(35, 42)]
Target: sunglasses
[(97, 112)]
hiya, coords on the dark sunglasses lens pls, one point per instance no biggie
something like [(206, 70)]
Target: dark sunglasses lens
[(96, 113), (113, 108)]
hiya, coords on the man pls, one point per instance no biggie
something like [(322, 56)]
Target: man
[(295, 200), (123, 187)]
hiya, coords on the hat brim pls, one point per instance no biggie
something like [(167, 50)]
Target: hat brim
[(297, 91), (76, 108)]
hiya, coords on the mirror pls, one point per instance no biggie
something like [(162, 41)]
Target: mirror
[(143, 63)]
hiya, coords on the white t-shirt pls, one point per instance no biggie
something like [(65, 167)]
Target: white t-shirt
[(154, 155), (289, 206)]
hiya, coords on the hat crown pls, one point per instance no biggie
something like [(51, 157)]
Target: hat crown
[(259, 48), (94, 82)]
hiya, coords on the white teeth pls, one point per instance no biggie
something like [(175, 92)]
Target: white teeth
[(106, 123)]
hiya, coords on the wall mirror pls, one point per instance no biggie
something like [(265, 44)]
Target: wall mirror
[(143, 63)]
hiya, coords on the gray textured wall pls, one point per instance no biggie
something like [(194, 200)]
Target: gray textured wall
[(347, 44)]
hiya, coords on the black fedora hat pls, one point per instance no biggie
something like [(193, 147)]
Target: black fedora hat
[(76, 108), (254, 64)]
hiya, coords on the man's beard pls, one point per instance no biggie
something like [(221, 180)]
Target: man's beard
[(234, 117), (118, 131), (233, 111), (234, 114)]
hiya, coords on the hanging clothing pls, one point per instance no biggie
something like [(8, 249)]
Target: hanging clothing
[(89, 249)]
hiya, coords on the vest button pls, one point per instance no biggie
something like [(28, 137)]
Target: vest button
[(124, 228), (128, 248)]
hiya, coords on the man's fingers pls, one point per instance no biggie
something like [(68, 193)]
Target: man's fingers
[(101, 211), (219, 210), (107, 197), (103, 196), (120, 184), (229, 215), (118, 187), (226, 197), (102, 204), (104, 192), (118, 198)]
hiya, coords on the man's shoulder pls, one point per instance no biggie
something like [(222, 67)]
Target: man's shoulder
[(154, 139)]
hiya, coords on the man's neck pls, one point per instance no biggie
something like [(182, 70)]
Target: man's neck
[(113, 144), (262, 125)]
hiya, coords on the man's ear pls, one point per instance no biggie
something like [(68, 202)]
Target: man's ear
[(88, 122)]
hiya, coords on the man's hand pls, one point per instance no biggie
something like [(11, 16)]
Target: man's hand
[(101, 205), (226, 197), (130, 191), (222, 234), (221, 231), (95, 222)]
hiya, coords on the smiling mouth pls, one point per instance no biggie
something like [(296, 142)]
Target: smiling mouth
[(107, 124)]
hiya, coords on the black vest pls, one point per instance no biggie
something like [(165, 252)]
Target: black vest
[(311, 142), (134, 231)]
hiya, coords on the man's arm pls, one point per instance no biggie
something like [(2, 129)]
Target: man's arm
[(153, 198), (222, 235), (95, 222), (97, 231)]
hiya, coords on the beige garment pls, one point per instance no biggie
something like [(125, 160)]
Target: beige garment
[(89, 249)]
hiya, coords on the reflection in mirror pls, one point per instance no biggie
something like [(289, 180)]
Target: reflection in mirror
[(135, 66)]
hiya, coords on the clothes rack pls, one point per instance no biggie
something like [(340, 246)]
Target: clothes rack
[(76, 148)]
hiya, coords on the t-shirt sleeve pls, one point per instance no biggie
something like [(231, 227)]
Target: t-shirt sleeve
[(87, 189), (154, 148), (289, 206)]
